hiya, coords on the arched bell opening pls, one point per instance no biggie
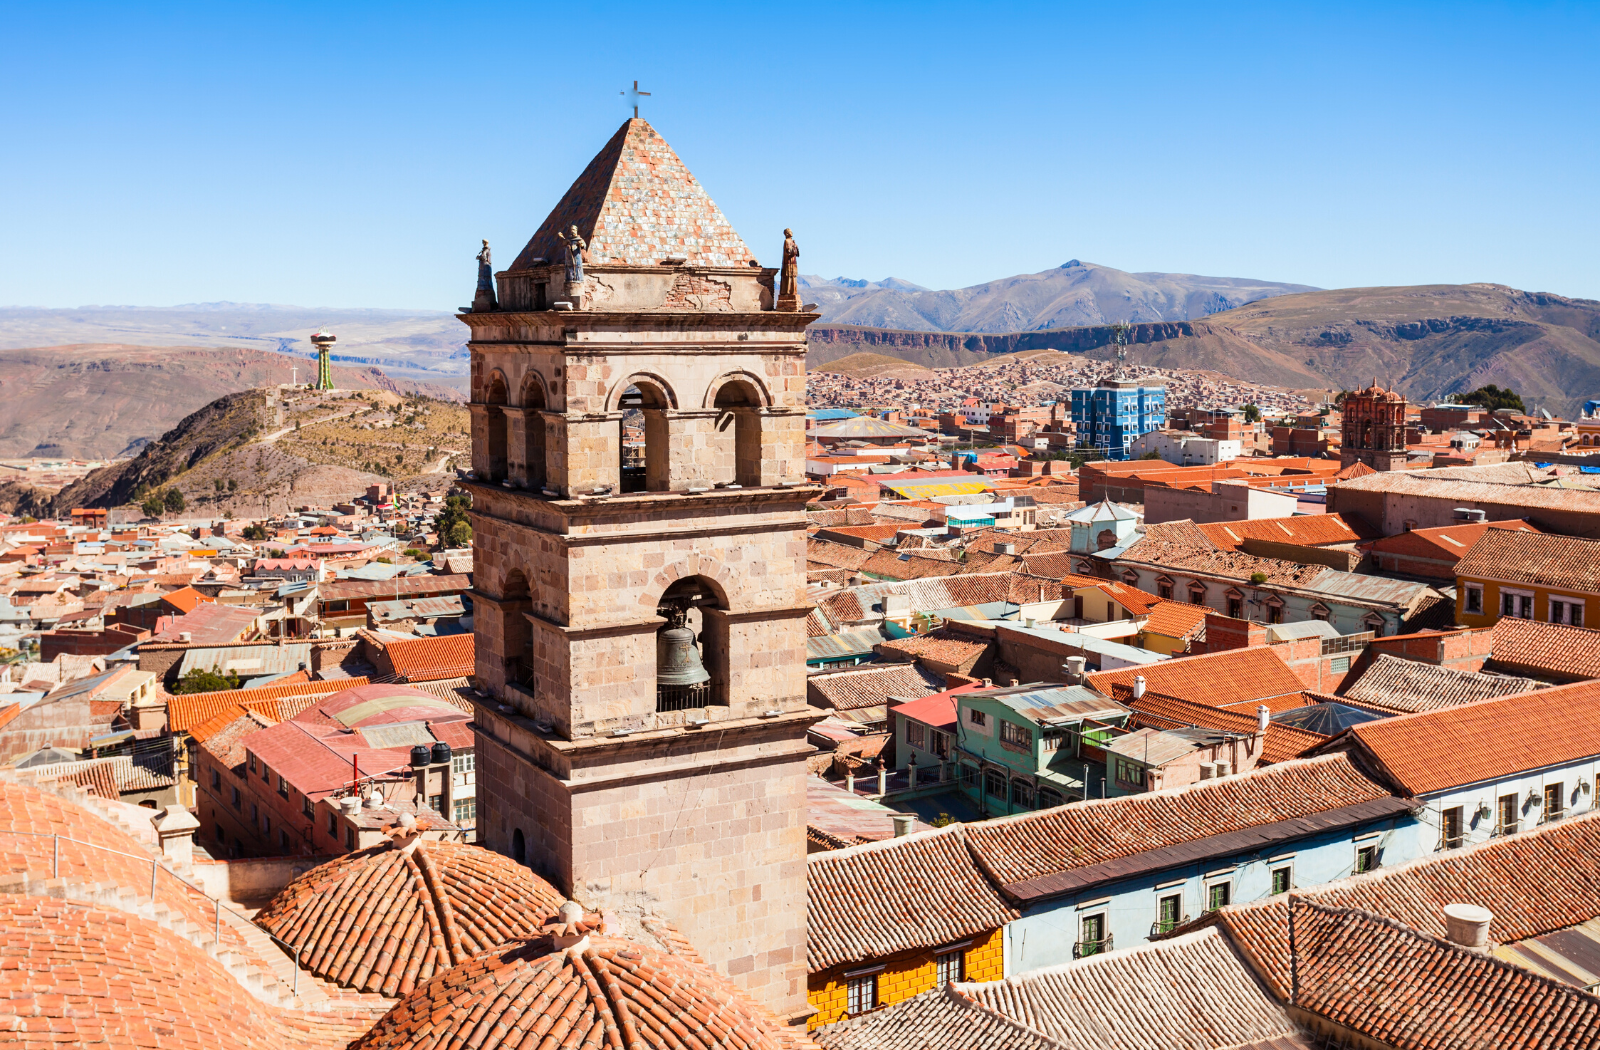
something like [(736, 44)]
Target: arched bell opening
[(515, 630), (692, 648), (738, 427), (533, 433), (498, 445), (643, 463)]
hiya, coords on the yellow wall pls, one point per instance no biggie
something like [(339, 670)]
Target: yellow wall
[(903, 977), (1160, 643), (1541, 602)]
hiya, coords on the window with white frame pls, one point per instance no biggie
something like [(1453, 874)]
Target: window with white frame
[(950, 966), (916, 734), (1567, 610), (861, 994), (1473, 602), (1516, 603)]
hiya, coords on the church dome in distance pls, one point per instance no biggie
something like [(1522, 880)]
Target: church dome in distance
[(573, 987), (387, 919)]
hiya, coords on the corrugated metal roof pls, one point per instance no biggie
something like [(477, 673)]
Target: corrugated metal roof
[(400, 734), (1338, 584), (843, 645), (248, 660), (1048, 705), (867, 427), (925, 489)]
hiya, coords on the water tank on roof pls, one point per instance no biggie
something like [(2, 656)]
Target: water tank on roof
[(419, 756), (441, 752)]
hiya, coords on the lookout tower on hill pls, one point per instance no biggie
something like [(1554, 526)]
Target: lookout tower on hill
[(638, 447), (323, 340)]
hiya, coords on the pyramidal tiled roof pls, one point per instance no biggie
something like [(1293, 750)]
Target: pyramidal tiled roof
[(635, 204)]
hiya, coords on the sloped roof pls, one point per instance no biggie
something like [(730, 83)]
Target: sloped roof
[(1544, 649), (940, 645), (1308, 530), (1538, 559), (872, 686), (946, 1018), (448, 656), (1448, 543), (1485, 739), (1217, 679), (1188, 993), (1060, 850), (1412, 991), (187, 710), (867, 427), (1174, 619), (874, 900), (1398, 684), (635, 204), (1282, 743)]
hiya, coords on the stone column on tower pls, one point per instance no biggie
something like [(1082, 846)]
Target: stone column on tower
[(638, 455)]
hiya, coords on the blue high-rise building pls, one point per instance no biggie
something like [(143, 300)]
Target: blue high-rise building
[(1111, 415)]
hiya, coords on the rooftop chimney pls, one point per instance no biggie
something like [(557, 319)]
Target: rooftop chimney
[(1468, 925), (902, 823), (1138, 686), (1263, 716)]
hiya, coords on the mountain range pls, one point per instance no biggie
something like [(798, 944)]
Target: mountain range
[(1071, 295)]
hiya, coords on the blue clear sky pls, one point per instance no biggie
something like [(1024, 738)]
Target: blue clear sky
[(353, 155)]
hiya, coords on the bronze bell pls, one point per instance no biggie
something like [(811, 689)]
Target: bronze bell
[(677, 658)]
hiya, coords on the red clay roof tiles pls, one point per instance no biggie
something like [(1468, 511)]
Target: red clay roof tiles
[(876, 900), (1212, 678), (1546, 649), (1397, 684), (1535, 559), (1485, 739)]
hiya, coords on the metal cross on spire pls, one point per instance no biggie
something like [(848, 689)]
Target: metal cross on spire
[(634, 97)]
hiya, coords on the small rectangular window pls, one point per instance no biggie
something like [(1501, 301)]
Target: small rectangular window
[(308, 808), (1450, 834), (1092, 939), (1509, 824), (1366, 858), (252, 763), (994, 782), (255, 814), (349, 838), (216, 780), (1339, 665), (1169, 910), (1474, 598), (862, 994), (951, 966), (333, 825), (1015, 736), (1217, 895), (466, 809), (976, 717), (266, 774), (283, 786), (1280, 880), (1553, 799), (235, 798), (916, 735)]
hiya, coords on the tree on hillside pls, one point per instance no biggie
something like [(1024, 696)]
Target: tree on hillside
[(152, 505), (454, 529), (255, 532), (1491, 397), (174, 501), (233, 485), (1252, 412)]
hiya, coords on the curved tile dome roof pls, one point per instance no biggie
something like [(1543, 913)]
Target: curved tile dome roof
[(600, 992), (386, 920)]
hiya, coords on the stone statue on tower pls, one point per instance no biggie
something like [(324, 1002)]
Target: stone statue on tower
[(576, 249), (483, 300), (789, 278)]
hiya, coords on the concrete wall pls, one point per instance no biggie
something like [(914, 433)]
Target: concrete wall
[(252, 879), (1227, 503), (1390, 511)]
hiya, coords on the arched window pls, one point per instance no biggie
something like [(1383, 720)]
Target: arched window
[(692, 647), (519, 847), (738, 426), (643, 465), (516, 631), (495, 398), (533, 437)]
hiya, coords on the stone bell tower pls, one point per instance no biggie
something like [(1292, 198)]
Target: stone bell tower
[(638, 444)]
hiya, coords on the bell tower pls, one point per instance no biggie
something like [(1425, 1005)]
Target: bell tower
[(638, 442)]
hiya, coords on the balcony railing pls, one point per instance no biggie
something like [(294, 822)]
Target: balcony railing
[(1084, 949), (1161, 926)]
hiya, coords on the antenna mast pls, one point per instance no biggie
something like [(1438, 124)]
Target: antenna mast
[(1119, 336)]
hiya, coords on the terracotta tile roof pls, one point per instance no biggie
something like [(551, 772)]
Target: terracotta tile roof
[(409, 587), (909, 565), (407, 933), (1070, 847), (211, 624), (1176, 619), (1217, 679), (1447, 544), (836, 555), (1415, 992), (427, 659), (1193, 992), (1056, 564), (939, 646), (1398, 684), (1311, 530), (216, 724), (1545, 649), (187, 710), (1485, 739), (1167, 712), (946, 1018), (871, 686), (875, 900), (637, 203), (531, 994), (226, 744), (74, 975), (1536, 559), (97, 777)]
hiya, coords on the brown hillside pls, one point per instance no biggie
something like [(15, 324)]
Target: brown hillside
[(877, 365), (96, 401)]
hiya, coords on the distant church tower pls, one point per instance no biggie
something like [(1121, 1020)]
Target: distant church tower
[(1373, 429), (638, 445)]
